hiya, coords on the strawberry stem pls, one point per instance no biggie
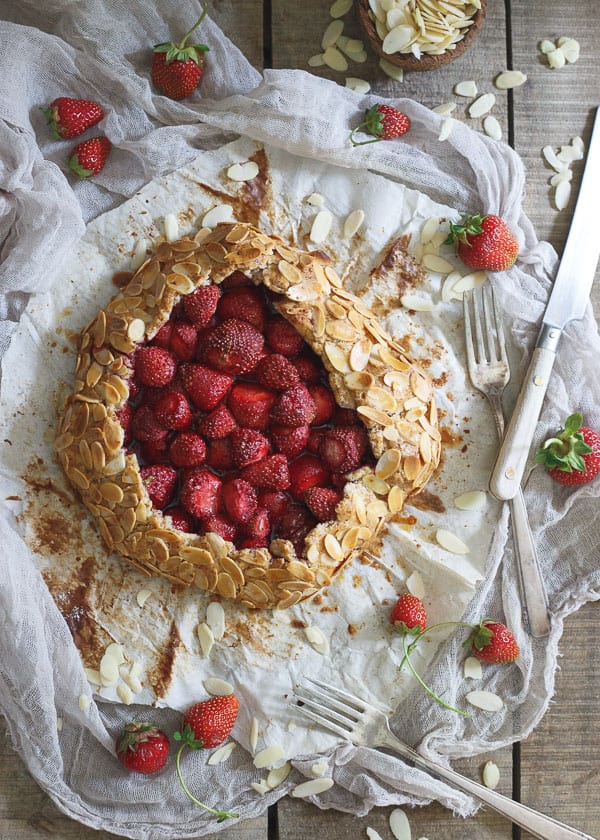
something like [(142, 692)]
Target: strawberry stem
[(362, 142), (429, 691), (181, 44), (221, 815)]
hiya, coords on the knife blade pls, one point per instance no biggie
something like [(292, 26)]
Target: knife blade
[(567, 302)]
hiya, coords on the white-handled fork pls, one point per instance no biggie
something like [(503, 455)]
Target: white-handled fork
[(361, 723), (489, 372)]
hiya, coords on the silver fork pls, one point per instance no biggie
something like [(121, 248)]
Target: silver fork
[(361, 723), (489, 371)]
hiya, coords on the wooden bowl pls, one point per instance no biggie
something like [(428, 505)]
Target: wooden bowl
[(407, 60)]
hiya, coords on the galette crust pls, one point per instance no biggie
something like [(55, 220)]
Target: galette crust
[(367, 370)]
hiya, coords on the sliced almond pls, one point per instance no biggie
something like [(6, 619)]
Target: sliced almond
[(358, 85), (445, 109), (353, 222), (391, 70), (399, 825), (336, 357), (334, 59), (446, 128), (510, 79), (570, 49), (556, 59), (311, 788), (278, 775), (492, 127), (388, 464), (171, 226), (93, 676), (395, 499), (269, 756), (472, 668), (140, 254), (469, 281), (315, 199), (372, 834), (319, 768), (471, 500), (562, 195), (316, 60), (125, 694), (317, 639), (219, 213), (206, 638), (243, 171), (331, 34), (218, 687), (415, 585), (398, 39), (340, 7), (448, 293), (84, 702), (418, 303), (486, 700), (321, 226), (467, 88), (260, 787), (490, 775), (482, 105), (215, 619), (434, 263), (253, 734), (546, 46), (429, 229), (222, 754), (551, 158), (451, 542)]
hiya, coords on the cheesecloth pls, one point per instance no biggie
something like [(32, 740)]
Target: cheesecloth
[(99, 50)]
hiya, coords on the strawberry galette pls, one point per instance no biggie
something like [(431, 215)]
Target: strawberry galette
[(240, 422)]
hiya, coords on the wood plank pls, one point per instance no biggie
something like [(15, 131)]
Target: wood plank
[(242, 22)]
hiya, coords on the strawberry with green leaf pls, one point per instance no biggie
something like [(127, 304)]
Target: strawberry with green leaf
[(484, 242), (572, 456), (493, 642), (383, 122), (206, 725), (177, 68), (69, 117), (88, 158)]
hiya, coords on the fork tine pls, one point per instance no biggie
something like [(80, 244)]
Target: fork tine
[(331, 702), (359, 705), (478, 333), (326, 711), (499, 328), (468, 331), (327, 724)]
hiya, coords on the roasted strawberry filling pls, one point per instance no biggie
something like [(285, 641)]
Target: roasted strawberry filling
[(234, 423)]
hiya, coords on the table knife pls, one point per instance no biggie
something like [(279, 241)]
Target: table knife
[(567, 302)]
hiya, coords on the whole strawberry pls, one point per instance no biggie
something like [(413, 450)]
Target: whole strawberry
[(572, 457), (484, 242), (88, 158), (71, 117), (206, 725), (142, 748), (177, 69), (408, 615), (383, 122), (493, 642)]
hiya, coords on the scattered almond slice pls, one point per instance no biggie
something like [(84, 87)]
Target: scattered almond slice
[(472, 668), (253, 734), (130, 677), (551, 158), (93, 676), (359, 57), (217, 687), (142, 596), (311, 788), (469, 281), (562, 195), (415, 585), (125, 694), (353, 222), (219, 213), (243, 171), (482, 105), (340, 7), (334, 59), (434, 263), (84, 702), (445, 109), (260, 787), (429, 229), (446, 128), (358, 85), (564, 175), (510, 79), (467, 88), (492, 127), (490, 775), (352, 46), (109, 671), (115, 651), (486, 700), (451, 542), (268, 757), (171, 226), (556, 59), (317, 639), (59, 724), (546, 46), (215, 618), (315, 199), (320, 768), (316, 60), (417, 303), (321, 226), (331, 34), (399, 825), (206, 638), (278, 775), (140, 254), (471, 500), (222, 754), (570, 48), (448, 293), (372, 834), (395, 73)]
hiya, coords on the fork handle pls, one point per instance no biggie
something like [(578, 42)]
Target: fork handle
[(535, 599), (539, 825)]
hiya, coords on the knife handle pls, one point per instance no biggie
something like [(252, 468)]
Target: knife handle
[(510, 464)]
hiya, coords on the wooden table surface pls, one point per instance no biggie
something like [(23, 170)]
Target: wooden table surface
[(556, 770)]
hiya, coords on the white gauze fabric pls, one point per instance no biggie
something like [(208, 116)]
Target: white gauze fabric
[(99, 50)]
